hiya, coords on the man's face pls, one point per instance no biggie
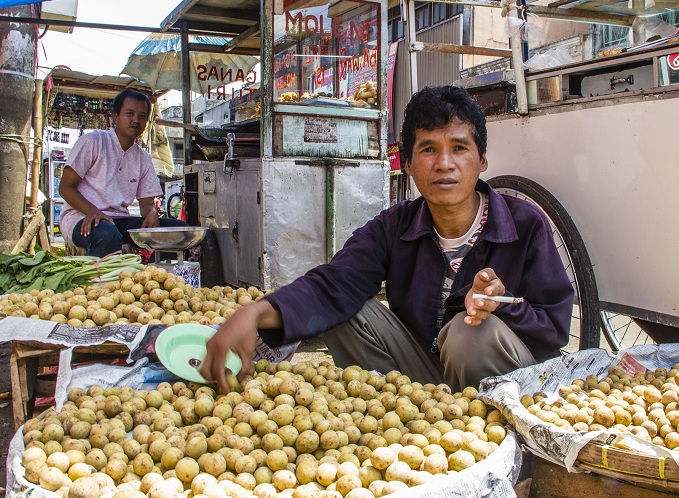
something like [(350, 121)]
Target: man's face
[(131, 121), (446, 164)]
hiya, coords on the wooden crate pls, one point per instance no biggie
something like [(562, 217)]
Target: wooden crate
[(652, 472), (554, 481), (26, 361)]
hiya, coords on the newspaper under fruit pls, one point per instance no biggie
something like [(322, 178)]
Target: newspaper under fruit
[(551, 442), (138, 339)]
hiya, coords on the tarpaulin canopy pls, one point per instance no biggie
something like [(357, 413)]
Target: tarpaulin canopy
[(157, 61)]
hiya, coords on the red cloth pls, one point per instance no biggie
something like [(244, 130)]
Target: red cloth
[(182, 212)]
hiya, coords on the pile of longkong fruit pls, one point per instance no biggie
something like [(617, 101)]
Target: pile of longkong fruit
[(151, 296), (645, 404), (302, 430)]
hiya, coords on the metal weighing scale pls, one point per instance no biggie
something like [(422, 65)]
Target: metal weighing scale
[(168, 239)]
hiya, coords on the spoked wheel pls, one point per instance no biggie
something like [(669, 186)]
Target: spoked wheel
[(622, 331), (174, 205), (585, 324)]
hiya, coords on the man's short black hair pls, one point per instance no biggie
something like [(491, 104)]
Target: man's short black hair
[(133, 94), (435, 107)]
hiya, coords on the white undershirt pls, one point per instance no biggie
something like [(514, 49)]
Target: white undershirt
[(455, 250)]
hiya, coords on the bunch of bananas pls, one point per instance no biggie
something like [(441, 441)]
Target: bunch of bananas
[(258, 111)]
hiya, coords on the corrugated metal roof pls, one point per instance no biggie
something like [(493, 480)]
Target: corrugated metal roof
[(93, 84), (238, 19)]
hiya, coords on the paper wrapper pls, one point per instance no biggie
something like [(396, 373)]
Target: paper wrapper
[(188, 270)]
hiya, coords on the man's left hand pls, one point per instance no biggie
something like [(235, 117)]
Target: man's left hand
[(485, 282), (151, 220)]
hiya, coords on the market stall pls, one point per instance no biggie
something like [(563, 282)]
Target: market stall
[(96, 362), (315, 428), (306, 160), (248, 442)]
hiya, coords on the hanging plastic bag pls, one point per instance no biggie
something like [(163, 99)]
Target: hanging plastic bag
[(551, 58), (529, 32)]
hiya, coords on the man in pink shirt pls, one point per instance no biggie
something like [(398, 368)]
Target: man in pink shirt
[(105, 172)]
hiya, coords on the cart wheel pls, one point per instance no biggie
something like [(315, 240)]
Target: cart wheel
[(623, 331), (174, 205), (585, 324)]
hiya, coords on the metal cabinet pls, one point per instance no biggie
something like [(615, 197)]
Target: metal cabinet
[(230, 204), (276, 218)]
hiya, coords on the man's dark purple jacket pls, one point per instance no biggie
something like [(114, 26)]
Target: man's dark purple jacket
[(399, 246)]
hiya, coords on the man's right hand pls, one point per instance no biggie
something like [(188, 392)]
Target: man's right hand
[(237, 334), (92, 219)]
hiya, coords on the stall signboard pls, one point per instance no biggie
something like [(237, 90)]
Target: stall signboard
[(673, 62), (60, 137), (669, 69), (224, 82), (328, 50)]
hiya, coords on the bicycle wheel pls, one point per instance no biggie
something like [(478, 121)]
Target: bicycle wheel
[(585, 324), (622, 331), (174, 205)]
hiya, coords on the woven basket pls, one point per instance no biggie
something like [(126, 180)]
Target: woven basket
[(649, 471)]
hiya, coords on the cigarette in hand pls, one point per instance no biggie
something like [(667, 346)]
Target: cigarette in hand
[(499, 299)]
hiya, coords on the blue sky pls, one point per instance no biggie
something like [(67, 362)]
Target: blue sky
[(96, 51)]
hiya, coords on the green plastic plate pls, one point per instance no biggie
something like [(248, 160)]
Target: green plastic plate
[(181, 349)]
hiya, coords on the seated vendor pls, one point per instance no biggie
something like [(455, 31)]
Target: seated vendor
[(443, 257), (105, 172)]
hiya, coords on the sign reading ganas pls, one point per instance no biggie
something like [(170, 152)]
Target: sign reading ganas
[(220, 76)]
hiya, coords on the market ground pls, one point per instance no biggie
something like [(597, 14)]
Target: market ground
[(313, 350)]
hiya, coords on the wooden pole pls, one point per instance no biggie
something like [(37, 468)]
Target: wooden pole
[(186, 92), (37, 147), (24, 243), (175, 124)]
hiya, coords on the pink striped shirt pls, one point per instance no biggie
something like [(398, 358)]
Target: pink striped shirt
[(111, 177)]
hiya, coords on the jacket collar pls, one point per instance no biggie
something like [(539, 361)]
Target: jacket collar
[(499, 228)]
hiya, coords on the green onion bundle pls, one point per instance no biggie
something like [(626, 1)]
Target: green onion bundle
[(22, 272)]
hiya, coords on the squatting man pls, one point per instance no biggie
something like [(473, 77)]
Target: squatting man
[(434, 253)]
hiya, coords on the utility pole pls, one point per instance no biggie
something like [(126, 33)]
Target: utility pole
[(18, 47)]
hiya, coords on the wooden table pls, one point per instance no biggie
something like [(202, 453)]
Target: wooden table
[(28, 356)]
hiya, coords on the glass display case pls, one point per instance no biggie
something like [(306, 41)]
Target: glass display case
[(327, 54), (305, 163), (327, 67)]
